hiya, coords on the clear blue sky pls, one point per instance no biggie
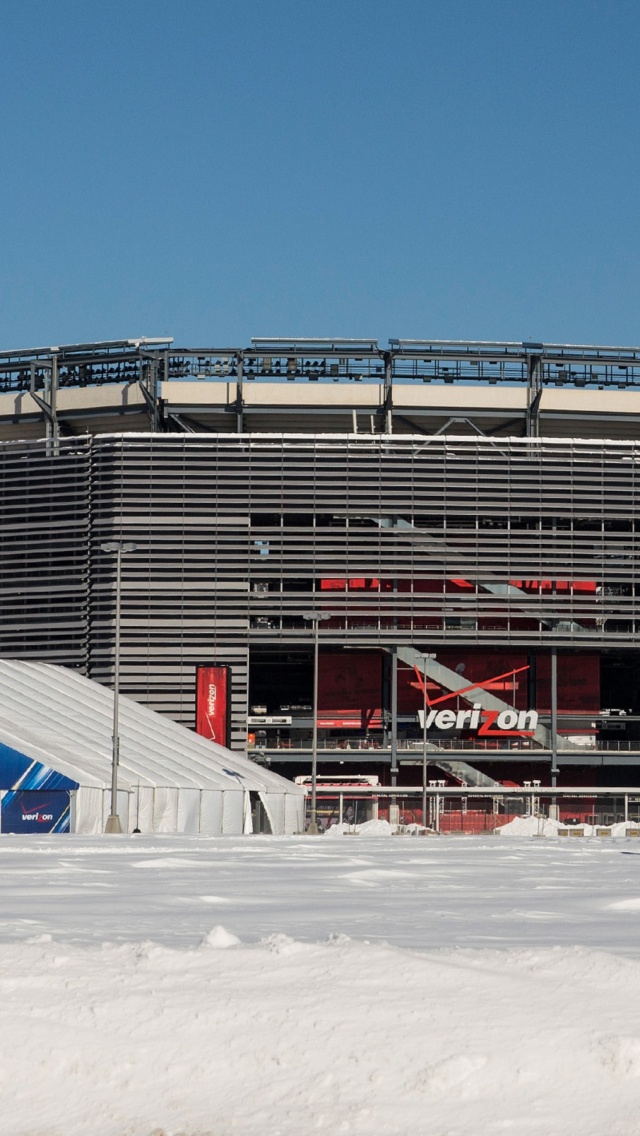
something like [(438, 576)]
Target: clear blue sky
[(216, 169)]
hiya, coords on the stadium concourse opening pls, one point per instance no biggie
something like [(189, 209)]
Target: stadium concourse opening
[(458, 523), (597, 721)]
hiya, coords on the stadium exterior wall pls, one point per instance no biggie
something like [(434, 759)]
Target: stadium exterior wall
[(490, 548)]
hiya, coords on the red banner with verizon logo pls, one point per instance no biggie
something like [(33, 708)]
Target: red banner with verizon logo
[(213, 688)]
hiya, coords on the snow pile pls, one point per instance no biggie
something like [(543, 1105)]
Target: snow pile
[(220, 939), (375, 828), (530, 826), (622, 828), (190, 986), (369, 828), (543, 826)]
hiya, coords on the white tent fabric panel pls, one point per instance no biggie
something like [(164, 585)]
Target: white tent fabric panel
[(232, 812), (165, 810), (286, 814), (124, 808), (189, 810), (170, 779), (211, 813), (144, 808), (89, 818), (91, 808), (247, 817), (294, 815)]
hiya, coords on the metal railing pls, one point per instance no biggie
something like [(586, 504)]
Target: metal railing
[(448, 745), (581, 811)]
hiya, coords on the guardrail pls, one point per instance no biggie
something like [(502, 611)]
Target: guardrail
[(447, 745), (444, 809)]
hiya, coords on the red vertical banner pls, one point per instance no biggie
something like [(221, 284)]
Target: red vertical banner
[(213, 689)]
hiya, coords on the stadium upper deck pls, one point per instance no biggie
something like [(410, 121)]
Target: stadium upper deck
[(322, 386)]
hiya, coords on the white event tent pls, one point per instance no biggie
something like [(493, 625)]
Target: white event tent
[(55, 765)]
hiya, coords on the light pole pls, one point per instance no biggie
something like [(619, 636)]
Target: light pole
[(314, 617), (113, 820), (424, 741), (424, 737)]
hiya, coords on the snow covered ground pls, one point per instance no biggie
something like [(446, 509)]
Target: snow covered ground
[(459, 986)]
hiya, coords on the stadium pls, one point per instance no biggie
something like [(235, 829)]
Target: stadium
[(456, 522)]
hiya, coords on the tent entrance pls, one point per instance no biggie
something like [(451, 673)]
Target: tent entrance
[(259, 817)]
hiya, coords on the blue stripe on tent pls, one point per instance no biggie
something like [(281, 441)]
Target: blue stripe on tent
[(19, 771)]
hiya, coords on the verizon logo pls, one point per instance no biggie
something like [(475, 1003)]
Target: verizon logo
[(486, 723), (211, 698), (36, 814)]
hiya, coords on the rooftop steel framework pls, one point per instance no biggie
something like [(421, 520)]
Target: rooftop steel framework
[(322, 386), (327, 360)]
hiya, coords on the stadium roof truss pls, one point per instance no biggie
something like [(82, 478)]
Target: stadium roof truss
[(322, 385)]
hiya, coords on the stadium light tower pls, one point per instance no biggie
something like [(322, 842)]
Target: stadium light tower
[(314, 617), (119, 547)]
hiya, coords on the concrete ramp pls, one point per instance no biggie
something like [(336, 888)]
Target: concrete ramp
[(464, 773)]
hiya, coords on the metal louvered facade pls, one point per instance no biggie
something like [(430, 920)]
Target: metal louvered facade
[(235, 530), (238, 535), (44, 551)]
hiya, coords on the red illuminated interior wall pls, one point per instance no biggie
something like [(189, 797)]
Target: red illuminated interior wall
[(486, 667), (350, 683), (578, 684), (578, 680), (350, 689), (371, 584)]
